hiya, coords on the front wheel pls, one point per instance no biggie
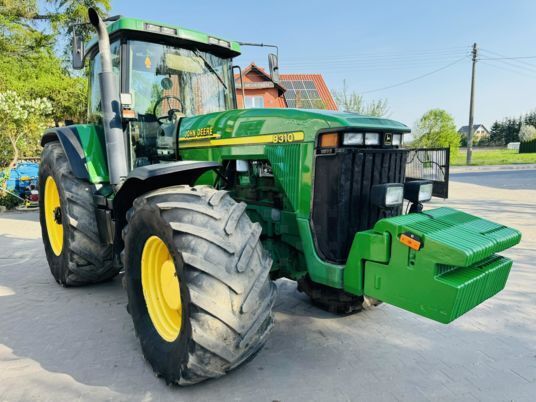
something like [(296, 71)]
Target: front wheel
[(198, 283)]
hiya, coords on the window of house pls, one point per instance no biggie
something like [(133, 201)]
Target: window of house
[(254, 101)]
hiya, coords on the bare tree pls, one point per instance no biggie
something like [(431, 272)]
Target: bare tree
[(351, 101)]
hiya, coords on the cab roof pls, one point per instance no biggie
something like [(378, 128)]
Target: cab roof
[(157, 30)]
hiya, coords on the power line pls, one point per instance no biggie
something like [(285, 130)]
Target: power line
[(508, 58), (373, 59), (515, 62), (513, 66), (416, 78), (510, 70), (387, 54), (388, 66)]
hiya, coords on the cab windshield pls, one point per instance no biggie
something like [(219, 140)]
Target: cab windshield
[(167, 83), (189, 82)]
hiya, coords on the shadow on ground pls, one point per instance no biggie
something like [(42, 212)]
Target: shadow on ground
[(79, 343)]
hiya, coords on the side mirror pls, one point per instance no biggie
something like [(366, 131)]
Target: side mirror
[(274, 67), (78, 52)]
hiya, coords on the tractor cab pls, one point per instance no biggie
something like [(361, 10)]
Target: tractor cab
[(163, 73)]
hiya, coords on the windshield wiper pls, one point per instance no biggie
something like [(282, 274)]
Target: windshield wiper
[(209, 66)]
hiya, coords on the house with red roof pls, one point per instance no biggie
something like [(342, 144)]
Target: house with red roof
[(301, 91), (259, 89)]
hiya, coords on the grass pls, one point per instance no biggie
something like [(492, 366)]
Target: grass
[(491, 156)]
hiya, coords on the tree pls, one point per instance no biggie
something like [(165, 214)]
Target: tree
[(496, 136), (44, 22), (527, 133), (32, 32), (436, 128), (353, 102), (23, 123)]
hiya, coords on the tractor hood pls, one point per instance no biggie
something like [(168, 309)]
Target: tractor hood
[(193, 131)]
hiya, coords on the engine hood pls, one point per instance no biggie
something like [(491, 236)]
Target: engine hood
[(254, 122)]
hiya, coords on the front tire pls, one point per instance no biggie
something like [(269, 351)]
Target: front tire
[(70, 235), (215, 312)]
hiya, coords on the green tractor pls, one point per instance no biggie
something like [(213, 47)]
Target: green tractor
[(203, 205)]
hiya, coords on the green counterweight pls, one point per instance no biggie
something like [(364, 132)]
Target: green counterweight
[(454, 269)]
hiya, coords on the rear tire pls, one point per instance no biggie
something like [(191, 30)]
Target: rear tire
[(226, 295), (76, 255), (336, 301)]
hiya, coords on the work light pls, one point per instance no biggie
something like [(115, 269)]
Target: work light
[(418, 191), (168, 31), (352, 139), (397, 139), (387, 195), (372, 139)]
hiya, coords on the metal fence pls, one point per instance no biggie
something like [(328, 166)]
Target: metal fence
[(527, 147), (430, 164)]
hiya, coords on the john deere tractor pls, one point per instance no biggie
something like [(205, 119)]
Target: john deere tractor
[(203, 205)]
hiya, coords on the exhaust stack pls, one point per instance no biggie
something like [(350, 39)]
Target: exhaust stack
[(111, 107)]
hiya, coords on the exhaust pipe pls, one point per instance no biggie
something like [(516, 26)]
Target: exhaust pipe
[(111, 108)]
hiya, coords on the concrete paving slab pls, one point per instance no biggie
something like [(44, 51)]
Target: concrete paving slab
[(60, 344)]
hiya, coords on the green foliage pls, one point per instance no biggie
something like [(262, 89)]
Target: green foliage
[(505, 131), (436, 128), (23, 123), (509, 129), (42, 75), (353, 102), (32, 33), (8, 200)]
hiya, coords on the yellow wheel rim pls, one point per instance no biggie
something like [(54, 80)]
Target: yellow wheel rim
[(161, 289), (53, 216)]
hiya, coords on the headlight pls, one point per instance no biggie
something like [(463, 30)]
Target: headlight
[(352, 139), (387, 195), (372, 139), (418, 191), (397, 139)]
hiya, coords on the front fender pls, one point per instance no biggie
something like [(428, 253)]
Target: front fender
[(152, 177)]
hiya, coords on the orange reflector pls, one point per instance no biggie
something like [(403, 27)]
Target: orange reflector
[(330, 140), (411, 241), (129, 114)]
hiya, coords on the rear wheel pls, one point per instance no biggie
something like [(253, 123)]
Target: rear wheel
[(73, 248), (197, 280), (336, 301)]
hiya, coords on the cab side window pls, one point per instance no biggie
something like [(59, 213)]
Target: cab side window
[(94, 102)]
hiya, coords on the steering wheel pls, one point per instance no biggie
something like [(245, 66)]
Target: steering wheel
[(171, 110)]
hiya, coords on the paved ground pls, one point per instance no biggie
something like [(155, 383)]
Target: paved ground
[(78, 344)]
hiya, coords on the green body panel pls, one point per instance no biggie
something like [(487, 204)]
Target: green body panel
[(455, 269), (231, 135), (91, 138), (134, 24)]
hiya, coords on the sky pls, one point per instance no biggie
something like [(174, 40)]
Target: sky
[(380, 44)]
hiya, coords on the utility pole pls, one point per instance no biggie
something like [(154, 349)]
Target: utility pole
[(471, 107)]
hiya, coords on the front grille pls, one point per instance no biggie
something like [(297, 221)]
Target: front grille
[(341, 195)]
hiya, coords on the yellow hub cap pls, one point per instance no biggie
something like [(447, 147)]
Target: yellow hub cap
[(53, 216), (161, 288)]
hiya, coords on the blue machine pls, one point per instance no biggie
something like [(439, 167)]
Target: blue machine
[(22, 176)]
